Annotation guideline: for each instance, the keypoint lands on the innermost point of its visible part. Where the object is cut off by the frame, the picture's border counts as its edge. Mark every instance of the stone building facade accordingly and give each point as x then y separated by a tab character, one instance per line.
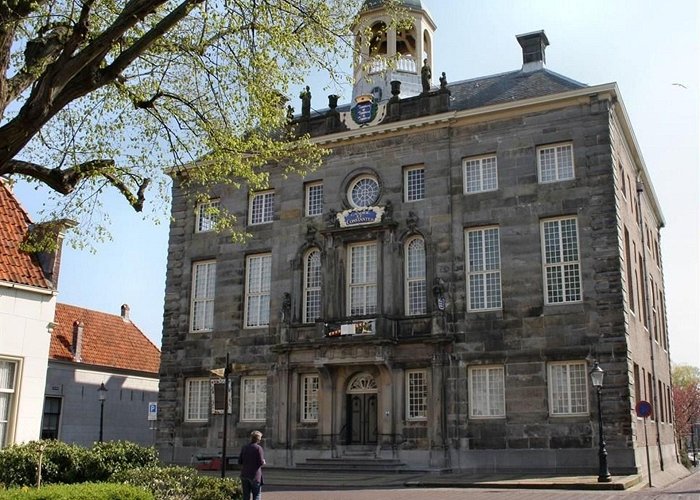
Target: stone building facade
435	295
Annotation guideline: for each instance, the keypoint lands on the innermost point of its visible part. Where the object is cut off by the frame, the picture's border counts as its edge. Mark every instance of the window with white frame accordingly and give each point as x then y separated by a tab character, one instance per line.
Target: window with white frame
555	162
309	398
203	286
314	199
196	399
483	268
416	301
562	268
257	296
568	389
487	392
362	282
416	395
253	399
262	207
414	183
480	174
207	215
8	384
312	286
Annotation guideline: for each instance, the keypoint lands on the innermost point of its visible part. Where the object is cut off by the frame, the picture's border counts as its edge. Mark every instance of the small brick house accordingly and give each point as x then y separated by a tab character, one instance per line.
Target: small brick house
90	348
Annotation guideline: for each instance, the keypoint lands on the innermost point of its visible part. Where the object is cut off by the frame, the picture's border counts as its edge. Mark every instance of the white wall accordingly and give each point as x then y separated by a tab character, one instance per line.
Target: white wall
125	407
25	316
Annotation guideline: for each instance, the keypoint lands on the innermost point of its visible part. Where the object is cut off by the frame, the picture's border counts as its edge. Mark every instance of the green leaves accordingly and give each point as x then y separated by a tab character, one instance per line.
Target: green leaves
207	95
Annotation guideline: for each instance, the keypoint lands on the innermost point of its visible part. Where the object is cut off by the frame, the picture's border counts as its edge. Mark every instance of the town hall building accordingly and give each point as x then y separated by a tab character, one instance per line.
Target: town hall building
435	295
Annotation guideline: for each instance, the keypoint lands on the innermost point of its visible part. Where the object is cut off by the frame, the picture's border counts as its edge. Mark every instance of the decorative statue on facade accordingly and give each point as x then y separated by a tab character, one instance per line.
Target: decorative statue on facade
286	308
443	81
331	219
425	76
439	294
305	102
290	113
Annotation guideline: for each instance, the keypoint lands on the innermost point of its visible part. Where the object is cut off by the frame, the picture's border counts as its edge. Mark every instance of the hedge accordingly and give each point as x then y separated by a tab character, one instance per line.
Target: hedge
181	483
69	463
83	491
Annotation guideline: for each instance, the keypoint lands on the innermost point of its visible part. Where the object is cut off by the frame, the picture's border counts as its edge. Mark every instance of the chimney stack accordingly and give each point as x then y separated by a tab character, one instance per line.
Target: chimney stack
77	340
534	45
125	312
48	236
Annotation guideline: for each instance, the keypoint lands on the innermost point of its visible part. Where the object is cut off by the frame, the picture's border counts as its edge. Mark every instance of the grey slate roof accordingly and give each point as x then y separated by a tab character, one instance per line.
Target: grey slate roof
508	87
497	89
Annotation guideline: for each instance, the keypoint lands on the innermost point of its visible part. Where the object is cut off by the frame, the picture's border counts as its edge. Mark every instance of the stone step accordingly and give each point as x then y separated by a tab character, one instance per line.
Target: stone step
355	464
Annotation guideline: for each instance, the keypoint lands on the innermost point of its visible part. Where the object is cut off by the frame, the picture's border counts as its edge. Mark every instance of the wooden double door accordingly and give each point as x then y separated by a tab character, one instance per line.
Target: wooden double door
361	418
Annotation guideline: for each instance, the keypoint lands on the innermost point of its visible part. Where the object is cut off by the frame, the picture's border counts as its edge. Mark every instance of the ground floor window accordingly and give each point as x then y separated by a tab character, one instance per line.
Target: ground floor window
253	399
8	376
196	399
309	398
52	416
486	392
417	395
568	389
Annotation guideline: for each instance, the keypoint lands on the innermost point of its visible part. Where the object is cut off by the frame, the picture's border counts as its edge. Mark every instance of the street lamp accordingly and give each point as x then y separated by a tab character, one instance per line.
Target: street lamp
102	395
597	381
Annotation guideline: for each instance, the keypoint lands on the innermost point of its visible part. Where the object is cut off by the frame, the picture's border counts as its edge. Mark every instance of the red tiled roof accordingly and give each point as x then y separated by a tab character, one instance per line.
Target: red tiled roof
17	266
108	340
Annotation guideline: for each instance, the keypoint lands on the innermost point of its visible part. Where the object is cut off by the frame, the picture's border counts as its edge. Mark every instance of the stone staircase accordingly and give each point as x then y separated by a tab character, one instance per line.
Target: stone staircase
354	459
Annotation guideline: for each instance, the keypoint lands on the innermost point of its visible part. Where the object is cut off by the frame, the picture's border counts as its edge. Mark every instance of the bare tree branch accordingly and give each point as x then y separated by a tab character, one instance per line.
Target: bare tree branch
62	181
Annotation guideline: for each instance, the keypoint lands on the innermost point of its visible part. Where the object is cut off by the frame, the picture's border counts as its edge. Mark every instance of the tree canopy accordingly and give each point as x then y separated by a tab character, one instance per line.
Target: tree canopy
101	94
686	398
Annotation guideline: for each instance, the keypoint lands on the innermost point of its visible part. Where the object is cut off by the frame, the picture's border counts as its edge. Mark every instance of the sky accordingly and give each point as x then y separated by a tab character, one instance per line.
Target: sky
650	48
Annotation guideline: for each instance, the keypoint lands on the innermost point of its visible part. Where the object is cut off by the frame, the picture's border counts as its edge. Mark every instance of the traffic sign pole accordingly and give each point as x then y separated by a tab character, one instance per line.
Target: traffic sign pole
644	409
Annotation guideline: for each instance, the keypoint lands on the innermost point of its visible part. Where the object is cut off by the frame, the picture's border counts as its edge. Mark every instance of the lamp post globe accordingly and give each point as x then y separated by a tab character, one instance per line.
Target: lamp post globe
596	375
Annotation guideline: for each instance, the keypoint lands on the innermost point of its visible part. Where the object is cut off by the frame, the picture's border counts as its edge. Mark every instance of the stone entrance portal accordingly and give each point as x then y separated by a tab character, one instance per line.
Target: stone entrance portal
361	410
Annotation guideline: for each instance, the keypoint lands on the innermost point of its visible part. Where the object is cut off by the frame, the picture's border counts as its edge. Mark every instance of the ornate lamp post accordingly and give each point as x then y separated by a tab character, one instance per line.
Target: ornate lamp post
102	395
597	381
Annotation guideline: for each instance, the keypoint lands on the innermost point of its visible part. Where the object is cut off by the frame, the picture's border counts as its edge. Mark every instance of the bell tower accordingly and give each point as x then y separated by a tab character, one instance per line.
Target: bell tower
387	53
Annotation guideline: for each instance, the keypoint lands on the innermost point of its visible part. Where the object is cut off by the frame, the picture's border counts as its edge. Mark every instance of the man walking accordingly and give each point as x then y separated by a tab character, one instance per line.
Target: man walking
252	459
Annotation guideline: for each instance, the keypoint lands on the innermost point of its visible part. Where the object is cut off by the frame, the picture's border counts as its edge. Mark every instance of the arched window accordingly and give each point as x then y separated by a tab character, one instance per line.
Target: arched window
378	42
416	301
406	42
312	286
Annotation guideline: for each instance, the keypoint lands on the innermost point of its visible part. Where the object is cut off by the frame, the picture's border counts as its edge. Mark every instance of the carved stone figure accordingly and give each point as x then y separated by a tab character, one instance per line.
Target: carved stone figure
286	308
425	76
305	102
443	81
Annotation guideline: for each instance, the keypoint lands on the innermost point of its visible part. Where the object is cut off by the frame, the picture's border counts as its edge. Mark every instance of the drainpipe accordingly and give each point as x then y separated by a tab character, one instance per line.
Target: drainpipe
654	390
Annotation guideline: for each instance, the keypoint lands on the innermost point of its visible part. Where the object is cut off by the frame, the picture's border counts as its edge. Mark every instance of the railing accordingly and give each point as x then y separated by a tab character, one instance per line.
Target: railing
405	64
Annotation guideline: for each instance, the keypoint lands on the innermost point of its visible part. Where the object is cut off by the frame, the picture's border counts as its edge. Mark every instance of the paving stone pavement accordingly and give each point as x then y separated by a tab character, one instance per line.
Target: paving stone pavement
328	486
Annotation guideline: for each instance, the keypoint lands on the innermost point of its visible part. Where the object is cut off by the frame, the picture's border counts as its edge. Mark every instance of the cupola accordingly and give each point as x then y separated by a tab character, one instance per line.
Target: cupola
379	42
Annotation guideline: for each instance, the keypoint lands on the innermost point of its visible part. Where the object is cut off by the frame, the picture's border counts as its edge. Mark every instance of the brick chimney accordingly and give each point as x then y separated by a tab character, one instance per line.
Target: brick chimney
534	45
125	312
49	237
77	343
